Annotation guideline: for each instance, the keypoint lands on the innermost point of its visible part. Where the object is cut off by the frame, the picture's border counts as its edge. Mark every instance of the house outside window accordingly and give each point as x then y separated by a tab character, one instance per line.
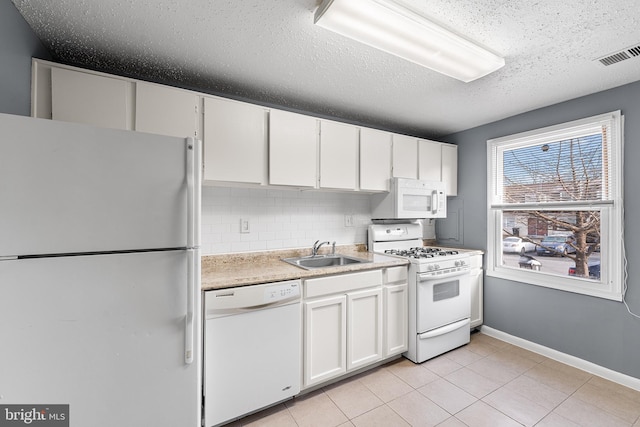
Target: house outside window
559	189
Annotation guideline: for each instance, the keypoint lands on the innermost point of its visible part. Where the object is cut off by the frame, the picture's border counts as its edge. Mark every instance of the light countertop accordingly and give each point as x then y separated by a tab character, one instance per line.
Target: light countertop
241	269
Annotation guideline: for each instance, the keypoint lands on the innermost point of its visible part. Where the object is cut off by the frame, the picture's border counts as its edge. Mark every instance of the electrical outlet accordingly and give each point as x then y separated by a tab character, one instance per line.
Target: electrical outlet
348	220
244	225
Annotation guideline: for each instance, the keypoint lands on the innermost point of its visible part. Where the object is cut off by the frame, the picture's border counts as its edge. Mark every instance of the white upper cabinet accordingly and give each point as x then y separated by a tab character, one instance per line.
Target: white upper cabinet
375	160
405	157
165	110
235	141
91	99
244	143
293	150
338	155
439	162
450	168
429	158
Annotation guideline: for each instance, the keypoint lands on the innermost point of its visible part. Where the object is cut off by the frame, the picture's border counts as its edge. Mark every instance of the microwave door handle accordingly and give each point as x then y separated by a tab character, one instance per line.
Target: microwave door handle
434	202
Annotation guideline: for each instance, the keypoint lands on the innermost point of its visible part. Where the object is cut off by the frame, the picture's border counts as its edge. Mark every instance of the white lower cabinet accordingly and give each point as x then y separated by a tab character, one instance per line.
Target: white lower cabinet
352	321
395	311
364	327
325	339
342	324
476	291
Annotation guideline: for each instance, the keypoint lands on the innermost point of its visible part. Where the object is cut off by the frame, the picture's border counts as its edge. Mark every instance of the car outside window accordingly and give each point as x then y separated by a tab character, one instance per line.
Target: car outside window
559	190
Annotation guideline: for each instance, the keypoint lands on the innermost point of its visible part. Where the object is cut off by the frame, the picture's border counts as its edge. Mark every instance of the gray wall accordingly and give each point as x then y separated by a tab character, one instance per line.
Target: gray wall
593	329
17	45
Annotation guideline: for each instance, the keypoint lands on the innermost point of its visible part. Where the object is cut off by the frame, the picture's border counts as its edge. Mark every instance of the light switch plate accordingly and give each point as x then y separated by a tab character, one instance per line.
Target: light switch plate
244	225
348	220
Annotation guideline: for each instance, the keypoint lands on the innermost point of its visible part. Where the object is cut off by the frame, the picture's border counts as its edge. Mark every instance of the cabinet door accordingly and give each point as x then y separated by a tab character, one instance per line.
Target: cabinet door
338	155
429	160
450	168
293	149
405	157
90	99
476	291
235	141
396	319
325	339
364	327
166	111
375	160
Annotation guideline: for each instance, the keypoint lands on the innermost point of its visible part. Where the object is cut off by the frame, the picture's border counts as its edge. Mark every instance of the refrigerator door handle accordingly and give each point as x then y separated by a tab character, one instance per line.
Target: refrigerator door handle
194	191
193	272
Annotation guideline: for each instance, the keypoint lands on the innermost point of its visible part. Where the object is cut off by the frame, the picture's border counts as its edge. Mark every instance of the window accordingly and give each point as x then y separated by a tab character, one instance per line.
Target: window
559	189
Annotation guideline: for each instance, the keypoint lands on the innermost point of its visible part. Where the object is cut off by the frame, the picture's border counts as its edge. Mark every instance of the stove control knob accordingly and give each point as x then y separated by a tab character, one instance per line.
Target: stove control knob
437	267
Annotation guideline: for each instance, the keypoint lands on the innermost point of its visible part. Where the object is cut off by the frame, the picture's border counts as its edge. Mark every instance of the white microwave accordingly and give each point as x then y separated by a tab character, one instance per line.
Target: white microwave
410	199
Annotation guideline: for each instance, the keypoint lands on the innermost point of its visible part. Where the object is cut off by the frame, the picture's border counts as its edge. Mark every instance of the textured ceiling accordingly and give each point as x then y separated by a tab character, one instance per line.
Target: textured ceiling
270	52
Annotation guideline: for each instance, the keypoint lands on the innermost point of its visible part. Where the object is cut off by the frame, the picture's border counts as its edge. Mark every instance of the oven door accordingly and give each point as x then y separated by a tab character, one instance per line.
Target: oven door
442	300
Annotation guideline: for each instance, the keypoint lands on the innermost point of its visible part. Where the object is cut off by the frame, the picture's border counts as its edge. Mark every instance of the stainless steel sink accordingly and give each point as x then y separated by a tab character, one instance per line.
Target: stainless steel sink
320	261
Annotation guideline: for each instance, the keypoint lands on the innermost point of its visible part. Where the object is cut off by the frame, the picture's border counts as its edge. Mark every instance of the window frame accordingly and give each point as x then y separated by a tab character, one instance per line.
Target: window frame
612	274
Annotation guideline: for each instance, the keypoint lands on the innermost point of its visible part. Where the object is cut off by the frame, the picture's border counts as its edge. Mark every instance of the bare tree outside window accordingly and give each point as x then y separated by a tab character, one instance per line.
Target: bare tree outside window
556	174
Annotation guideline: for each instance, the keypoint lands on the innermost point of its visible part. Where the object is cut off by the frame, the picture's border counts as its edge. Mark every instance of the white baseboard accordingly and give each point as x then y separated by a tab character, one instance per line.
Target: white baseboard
576	362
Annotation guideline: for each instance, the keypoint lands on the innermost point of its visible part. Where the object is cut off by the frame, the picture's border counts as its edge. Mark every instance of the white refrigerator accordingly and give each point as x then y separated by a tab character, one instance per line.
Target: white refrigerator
100	273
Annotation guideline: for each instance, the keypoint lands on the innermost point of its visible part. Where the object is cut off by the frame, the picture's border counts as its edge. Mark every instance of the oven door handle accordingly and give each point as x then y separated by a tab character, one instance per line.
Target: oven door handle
423	277
445	329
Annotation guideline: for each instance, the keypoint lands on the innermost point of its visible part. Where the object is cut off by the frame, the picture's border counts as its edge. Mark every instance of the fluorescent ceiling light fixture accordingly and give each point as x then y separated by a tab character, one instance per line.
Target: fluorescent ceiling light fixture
404	33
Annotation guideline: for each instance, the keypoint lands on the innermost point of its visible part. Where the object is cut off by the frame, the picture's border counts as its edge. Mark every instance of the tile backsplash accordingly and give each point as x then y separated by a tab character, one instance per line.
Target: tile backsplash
280	219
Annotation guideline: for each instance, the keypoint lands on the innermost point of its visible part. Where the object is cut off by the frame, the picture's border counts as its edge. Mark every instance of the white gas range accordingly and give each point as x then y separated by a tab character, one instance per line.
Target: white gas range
439	289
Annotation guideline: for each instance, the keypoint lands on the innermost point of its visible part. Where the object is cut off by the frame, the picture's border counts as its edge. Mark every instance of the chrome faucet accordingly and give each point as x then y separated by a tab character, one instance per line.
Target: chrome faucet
316	247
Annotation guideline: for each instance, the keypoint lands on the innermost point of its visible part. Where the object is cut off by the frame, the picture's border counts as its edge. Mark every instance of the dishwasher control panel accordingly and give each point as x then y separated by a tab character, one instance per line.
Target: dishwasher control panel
281	291
224	302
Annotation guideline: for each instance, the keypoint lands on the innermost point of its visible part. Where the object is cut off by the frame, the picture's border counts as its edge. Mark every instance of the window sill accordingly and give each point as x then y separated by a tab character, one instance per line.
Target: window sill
589	287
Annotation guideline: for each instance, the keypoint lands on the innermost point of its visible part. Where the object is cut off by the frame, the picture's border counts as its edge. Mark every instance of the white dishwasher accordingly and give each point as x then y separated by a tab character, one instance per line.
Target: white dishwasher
252	350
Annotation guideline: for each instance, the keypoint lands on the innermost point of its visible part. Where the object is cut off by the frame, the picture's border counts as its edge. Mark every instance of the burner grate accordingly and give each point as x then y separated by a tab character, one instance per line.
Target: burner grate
421	252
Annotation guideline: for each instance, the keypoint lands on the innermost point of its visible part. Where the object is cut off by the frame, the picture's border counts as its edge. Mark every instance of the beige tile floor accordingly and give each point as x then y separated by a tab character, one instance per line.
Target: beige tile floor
485	383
